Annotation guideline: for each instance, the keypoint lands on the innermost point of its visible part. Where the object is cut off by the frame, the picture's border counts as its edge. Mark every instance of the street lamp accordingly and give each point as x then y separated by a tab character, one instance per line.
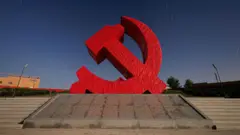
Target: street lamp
217	73
216	77
25	66
220	82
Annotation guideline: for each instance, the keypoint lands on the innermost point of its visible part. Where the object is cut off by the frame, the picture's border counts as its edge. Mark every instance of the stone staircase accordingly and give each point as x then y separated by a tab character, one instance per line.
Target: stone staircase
14	110
225	112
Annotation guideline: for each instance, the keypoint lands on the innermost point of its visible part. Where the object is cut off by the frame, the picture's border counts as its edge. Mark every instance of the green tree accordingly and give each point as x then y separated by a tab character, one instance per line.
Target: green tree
173	82
188	84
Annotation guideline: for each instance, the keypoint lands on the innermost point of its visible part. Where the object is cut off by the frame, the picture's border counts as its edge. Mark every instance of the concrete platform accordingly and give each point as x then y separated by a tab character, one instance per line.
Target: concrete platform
118	111
116	132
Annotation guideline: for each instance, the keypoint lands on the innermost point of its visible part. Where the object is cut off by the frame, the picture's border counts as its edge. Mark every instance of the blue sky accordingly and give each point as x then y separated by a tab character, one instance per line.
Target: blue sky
49	35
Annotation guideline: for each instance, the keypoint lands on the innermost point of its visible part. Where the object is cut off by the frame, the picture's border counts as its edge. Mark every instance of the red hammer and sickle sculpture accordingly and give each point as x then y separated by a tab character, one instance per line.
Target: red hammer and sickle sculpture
107	44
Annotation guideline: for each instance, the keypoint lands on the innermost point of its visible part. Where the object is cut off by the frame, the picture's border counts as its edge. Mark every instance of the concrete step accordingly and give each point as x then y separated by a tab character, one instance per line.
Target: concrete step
23	103
227	126
212	98
18	109
20	103
219	107
227	122
23	98
225	118
218	110
11	120
225	113
9	116
217	103
9	125
20	106
21	112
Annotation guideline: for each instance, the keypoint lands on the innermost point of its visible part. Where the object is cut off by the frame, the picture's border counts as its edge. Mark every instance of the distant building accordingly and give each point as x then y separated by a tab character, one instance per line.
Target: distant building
229	84
12	81
230	89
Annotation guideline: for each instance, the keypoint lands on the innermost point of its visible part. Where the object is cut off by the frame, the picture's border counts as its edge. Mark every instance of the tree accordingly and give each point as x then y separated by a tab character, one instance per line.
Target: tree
173	82
188	84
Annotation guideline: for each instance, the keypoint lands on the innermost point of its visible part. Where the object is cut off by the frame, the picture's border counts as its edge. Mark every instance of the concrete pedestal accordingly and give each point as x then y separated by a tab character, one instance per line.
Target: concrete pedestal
118	111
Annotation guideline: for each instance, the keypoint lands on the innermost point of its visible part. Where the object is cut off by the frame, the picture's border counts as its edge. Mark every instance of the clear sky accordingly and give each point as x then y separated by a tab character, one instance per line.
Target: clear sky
49	35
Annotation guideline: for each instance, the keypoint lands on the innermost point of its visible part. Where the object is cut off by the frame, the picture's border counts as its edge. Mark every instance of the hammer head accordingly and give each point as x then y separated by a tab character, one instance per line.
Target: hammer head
95	44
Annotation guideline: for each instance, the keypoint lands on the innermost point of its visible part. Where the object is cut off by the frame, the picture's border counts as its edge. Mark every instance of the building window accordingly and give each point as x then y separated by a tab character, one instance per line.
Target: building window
9	82
0	82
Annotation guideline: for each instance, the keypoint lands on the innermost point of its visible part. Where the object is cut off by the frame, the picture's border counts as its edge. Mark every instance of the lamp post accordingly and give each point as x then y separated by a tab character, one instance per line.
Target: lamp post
216	77
25	66
217	73
220	82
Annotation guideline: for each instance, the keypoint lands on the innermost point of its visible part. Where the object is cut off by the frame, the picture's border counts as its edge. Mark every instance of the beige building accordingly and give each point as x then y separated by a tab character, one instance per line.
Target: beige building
12	81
